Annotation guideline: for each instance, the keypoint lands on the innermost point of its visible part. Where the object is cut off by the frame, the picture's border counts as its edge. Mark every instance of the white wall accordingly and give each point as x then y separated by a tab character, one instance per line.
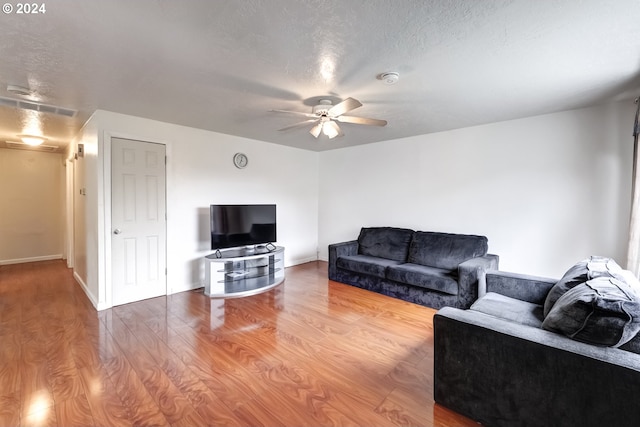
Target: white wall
86	191
200	172
547	190
31	212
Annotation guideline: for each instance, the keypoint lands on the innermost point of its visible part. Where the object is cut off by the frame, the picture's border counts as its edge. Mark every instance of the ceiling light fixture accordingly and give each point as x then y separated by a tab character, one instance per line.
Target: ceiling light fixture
32	139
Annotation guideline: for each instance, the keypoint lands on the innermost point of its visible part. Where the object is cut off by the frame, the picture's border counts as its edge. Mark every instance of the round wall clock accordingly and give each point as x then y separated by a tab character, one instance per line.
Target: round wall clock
240	160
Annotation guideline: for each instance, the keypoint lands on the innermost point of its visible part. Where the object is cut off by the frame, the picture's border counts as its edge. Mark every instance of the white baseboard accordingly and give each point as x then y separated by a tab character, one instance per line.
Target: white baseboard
30	259
187	288
102	306
91	297
302	260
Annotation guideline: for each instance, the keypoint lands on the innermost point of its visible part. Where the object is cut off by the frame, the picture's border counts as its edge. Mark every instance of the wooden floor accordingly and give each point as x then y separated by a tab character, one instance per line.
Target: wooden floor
310	352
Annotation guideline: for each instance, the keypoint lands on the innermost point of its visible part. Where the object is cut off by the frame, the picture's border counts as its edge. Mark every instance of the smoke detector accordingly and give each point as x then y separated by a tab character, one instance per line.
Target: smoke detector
389	78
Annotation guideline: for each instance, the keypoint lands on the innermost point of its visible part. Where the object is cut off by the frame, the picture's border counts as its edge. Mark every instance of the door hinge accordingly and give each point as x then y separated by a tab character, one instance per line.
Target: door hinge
165	271
165	160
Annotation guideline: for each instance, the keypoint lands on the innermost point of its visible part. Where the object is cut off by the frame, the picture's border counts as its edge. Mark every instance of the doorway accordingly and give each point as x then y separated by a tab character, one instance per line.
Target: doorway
138	220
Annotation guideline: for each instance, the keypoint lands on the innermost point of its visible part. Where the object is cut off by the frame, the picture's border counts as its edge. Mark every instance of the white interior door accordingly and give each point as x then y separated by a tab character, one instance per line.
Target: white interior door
138	220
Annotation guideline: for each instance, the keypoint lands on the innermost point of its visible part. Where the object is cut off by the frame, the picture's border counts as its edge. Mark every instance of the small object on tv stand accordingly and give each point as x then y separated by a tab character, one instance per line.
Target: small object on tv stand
269	247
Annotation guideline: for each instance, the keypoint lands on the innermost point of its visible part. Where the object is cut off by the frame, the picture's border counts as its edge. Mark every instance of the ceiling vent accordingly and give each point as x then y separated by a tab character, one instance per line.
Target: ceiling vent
37	106
22	146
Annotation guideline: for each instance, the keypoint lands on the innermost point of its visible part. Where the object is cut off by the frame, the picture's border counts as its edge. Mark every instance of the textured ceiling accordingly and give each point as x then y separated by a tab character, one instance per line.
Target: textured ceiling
222	65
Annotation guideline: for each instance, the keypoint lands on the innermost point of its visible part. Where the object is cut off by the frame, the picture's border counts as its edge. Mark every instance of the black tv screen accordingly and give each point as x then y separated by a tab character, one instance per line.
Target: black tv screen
242	225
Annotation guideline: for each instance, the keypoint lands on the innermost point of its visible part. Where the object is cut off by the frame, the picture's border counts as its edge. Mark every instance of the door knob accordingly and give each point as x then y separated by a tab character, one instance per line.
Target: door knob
117	231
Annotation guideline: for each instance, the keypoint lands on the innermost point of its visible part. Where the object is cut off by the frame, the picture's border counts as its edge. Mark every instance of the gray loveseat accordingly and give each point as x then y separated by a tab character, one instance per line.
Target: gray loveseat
497	364
427	268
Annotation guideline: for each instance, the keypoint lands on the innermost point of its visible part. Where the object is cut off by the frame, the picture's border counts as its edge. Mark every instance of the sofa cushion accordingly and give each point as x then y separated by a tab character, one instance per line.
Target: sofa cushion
385	242
515	310
365	264
444	250
423	276
587	269
602	311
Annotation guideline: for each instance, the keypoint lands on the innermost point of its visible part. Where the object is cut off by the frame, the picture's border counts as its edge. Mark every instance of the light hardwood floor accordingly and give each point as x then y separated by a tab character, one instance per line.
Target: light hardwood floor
310	352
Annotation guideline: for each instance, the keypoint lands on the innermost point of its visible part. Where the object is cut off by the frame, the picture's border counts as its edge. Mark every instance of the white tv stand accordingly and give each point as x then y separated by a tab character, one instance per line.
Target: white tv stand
240	272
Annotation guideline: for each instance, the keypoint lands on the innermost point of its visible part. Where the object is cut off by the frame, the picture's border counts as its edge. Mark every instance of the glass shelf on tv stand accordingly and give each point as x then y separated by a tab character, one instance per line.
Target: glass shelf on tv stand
239	272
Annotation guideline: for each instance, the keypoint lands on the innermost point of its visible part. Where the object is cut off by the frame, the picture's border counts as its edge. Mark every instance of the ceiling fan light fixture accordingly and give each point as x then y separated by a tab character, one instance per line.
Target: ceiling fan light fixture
33	140
329	130
315	131
325	116
322	107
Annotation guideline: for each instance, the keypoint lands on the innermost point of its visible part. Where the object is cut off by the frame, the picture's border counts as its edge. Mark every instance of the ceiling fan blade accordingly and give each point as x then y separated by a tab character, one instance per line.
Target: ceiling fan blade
331	129
297	113
300	124
315	131
343	107
361	120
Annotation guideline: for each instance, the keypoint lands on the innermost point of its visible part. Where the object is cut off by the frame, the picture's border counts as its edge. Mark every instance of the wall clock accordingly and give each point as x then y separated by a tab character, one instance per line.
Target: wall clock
240	160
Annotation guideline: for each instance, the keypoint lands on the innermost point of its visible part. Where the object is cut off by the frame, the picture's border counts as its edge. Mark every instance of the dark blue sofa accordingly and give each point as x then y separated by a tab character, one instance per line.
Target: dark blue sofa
426	268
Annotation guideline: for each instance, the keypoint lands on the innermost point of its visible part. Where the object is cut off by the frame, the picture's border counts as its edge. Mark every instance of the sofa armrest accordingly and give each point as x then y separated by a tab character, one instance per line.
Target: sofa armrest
510	329
337	250
501	373
470	274
524	287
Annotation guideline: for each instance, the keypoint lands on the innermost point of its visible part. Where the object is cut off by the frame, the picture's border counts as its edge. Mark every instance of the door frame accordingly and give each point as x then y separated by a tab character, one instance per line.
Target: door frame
70	192
106	291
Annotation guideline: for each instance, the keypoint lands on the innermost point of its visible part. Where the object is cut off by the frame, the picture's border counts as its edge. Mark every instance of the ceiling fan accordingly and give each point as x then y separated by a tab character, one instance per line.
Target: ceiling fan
325	115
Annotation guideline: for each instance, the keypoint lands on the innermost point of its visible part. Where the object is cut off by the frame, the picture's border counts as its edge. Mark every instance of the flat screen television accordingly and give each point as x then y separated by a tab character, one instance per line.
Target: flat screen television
242	225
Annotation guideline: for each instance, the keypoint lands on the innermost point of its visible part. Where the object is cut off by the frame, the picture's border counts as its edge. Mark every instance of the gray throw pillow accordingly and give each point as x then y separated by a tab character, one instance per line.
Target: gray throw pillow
603	311
590	268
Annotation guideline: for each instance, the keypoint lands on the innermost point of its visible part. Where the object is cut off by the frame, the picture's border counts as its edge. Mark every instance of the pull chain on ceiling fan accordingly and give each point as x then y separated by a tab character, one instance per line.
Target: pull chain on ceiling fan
325	115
